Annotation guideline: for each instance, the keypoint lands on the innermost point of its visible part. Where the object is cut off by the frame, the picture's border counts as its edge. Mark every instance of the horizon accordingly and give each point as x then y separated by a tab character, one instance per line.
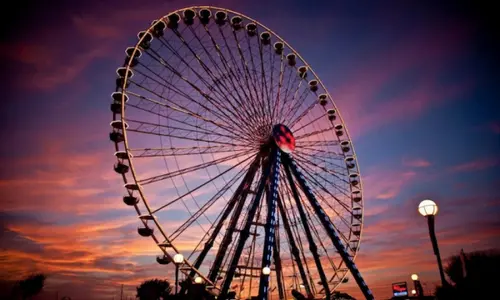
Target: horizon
415	84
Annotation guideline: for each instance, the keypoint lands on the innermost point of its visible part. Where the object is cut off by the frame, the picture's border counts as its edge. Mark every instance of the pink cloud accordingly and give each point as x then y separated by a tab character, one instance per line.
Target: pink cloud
416	162
476	165
386	184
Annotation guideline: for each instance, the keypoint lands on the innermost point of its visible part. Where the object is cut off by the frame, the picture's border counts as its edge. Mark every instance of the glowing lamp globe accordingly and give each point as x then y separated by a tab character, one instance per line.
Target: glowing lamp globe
198	280
266	271
414	277
178	258
428	208
413	292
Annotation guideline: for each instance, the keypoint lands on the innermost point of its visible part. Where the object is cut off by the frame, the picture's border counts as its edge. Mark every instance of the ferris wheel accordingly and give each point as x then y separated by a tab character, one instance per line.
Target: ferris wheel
234	155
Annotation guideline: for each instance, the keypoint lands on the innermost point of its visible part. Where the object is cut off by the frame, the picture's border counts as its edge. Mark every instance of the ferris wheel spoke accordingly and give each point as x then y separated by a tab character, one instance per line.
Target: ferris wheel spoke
303	114
216	103
303	144
322	187
206	205
276	107
310	173
220	92
185	111
222	118
325	154
316	132
312	159
293	123
299	101
313	167
252	107
180	151
199	186
230	75
219	113
310	215
237	201
203	165
254	79
285	97
253	97
263	79
169	130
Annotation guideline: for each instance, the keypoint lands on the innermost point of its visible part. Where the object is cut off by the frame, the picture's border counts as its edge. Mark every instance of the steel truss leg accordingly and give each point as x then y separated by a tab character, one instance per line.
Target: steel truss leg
295	250
245	232
279	273
310	239
239	200
270	226
327	224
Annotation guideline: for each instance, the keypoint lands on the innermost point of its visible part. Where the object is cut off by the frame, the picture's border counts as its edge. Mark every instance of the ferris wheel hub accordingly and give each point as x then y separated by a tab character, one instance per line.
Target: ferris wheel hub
283	137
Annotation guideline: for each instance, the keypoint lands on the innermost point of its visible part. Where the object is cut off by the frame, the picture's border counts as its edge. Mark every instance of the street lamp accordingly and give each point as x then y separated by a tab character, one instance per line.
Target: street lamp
416	285
413	292
429	209
178	260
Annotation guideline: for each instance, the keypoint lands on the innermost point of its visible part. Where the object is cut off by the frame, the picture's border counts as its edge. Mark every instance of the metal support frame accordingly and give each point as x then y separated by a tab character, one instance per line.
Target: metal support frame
295	249
269	183
239	199
245	232
327	224
272	194
279	273
312	245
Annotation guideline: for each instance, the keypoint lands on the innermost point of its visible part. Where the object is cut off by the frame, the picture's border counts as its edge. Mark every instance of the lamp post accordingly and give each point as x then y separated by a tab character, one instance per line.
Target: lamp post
417	286
178	260
429	209
414	277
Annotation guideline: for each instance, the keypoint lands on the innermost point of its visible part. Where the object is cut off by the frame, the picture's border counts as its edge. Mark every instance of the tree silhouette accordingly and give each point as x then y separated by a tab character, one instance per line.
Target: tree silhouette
482	275
31	285
154	289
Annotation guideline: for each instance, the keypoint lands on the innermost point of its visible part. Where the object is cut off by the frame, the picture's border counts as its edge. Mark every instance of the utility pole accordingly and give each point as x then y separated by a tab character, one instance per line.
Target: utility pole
121	293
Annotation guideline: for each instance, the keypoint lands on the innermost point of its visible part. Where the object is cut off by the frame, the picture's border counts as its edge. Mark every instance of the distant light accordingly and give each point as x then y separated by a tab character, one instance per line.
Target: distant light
413	292
178	258
266	270
198	280
302	286
428	208
414	277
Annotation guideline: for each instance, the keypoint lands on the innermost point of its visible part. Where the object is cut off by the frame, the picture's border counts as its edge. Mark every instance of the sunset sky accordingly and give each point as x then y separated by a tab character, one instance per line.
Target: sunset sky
416	84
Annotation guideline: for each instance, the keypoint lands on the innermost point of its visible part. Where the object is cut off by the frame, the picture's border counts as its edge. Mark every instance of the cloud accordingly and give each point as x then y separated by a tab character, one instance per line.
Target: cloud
476	165
416	162
386	184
